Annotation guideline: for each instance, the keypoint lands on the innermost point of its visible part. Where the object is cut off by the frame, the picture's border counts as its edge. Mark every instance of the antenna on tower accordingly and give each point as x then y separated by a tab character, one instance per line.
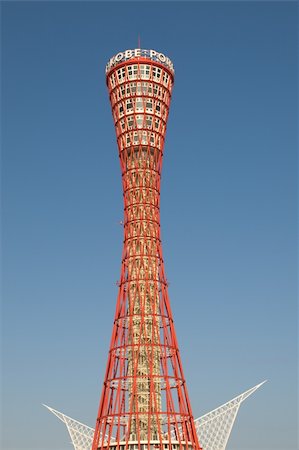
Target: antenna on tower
139	41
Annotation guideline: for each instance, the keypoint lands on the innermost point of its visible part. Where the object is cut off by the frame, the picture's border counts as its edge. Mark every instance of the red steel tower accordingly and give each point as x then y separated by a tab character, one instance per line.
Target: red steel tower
144	403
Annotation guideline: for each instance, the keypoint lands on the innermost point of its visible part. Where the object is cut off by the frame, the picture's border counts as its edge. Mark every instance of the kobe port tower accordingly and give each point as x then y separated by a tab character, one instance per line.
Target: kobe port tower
144	403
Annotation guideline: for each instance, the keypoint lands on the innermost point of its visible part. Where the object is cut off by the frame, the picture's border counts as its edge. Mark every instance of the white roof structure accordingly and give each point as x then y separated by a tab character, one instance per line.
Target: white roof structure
213	429
81	435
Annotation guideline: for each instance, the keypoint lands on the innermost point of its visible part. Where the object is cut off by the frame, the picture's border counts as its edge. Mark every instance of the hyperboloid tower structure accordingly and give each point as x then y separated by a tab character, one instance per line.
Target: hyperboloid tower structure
144	403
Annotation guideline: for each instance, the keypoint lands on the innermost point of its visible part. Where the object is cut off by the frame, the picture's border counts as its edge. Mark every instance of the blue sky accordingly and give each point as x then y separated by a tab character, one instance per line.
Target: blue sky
228	208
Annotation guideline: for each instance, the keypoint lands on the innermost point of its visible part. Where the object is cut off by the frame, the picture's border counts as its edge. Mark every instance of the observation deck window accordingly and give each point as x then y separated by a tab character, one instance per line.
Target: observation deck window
159	92
139	104
165	78
132	72
121	110
149	121
158	108
157	123
139	121
152	138
118	95
133	88
128	90
144	71
149	105
129	105
121	73
122	90
139	89
144	88
122	124
156	73
112	80
130	122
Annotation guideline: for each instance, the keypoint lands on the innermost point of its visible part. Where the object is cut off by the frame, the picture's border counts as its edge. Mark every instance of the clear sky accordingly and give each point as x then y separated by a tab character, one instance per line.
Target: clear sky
228	208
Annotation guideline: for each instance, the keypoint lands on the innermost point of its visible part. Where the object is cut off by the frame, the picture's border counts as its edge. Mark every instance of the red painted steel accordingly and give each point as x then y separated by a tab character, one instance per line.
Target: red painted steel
144	403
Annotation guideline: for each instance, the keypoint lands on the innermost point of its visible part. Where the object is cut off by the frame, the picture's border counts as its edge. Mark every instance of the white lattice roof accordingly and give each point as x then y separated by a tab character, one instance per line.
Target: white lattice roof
213	429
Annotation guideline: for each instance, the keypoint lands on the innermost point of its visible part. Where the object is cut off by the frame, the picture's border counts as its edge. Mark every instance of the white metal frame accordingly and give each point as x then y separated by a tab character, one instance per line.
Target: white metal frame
214	428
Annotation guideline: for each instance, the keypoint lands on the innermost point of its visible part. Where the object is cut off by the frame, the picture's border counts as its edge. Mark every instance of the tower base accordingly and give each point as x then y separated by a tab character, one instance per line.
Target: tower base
149	445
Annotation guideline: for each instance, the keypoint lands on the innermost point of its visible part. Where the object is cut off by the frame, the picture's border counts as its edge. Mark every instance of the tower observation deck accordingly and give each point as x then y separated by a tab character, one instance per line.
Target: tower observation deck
144	403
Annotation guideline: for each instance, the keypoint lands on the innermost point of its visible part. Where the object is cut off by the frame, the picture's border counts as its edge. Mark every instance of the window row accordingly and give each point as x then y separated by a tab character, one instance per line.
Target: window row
133	122
140	71
140	138
140	104
140	88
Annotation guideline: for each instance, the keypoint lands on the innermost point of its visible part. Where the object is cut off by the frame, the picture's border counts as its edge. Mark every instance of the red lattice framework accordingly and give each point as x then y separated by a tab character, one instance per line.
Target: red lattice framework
144	403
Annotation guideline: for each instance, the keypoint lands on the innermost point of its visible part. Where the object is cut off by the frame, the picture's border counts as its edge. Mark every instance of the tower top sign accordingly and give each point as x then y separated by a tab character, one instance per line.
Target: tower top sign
140	53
